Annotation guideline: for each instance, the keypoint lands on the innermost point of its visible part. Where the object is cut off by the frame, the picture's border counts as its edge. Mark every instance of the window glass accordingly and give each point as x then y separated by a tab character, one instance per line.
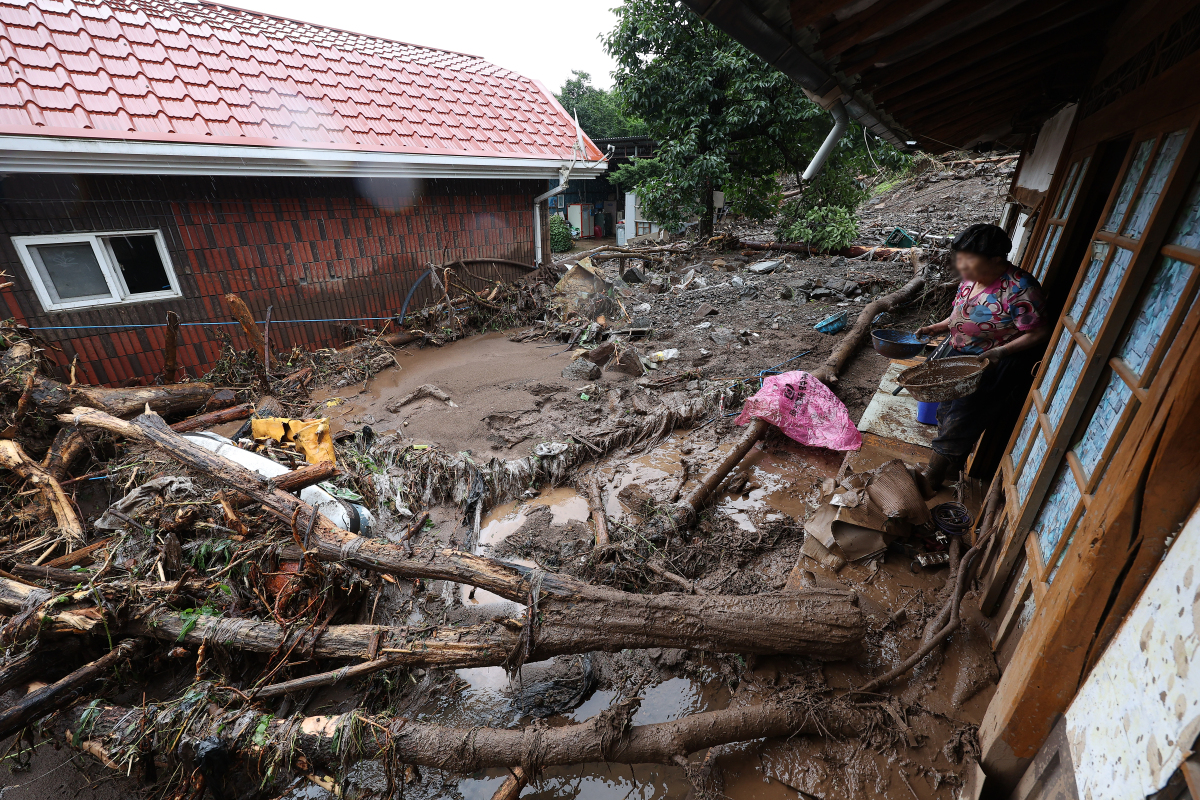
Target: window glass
1103	424
1136	167
1186	232
1060	352
140	264
1066	211
1056	511
1099	253
1026	432
1047	254
71	271
1066	385
1166	290
1152	188
1066	191
1030	470
1063	553
1100	306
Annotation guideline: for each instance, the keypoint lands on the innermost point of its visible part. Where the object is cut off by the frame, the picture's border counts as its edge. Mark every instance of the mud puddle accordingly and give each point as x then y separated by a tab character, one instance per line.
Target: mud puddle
499	389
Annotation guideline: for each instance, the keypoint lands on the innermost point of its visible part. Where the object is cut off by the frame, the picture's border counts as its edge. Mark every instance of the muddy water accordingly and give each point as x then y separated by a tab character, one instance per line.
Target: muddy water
782	478
484	375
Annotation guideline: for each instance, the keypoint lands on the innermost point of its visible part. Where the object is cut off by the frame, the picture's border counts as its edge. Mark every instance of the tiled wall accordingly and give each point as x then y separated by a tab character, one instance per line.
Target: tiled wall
313	248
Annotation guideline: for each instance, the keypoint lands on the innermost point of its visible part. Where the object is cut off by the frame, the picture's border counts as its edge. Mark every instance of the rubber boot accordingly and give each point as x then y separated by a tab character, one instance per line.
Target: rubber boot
932	476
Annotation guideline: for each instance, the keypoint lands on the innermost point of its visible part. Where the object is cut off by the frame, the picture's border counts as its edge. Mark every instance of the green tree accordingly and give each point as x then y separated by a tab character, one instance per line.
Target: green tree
599	112
723	118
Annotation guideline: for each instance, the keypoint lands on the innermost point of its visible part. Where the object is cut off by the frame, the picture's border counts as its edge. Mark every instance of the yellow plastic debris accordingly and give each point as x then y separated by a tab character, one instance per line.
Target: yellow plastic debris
310	436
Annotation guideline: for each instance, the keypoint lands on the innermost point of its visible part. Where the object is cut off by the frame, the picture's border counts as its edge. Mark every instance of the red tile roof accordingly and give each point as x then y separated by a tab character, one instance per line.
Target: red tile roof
174	71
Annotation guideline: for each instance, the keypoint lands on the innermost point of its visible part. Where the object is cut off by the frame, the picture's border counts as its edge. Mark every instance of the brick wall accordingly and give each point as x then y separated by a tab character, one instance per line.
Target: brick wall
313	248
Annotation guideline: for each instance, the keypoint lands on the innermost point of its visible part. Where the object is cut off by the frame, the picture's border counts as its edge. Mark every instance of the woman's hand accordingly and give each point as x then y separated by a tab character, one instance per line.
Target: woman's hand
994	355
930	330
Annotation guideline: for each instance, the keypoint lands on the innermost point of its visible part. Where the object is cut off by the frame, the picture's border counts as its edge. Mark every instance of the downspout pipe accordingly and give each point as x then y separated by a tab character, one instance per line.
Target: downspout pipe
537	215
841	121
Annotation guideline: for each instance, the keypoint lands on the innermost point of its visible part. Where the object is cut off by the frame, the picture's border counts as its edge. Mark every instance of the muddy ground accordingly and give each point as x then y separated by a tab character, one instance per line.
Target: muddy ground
733	319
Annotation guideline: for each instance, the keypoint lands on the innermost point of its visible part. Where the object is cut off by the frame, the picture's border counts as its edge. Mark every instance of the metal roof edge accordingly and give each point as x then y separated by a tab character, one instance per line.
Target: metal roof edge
52	154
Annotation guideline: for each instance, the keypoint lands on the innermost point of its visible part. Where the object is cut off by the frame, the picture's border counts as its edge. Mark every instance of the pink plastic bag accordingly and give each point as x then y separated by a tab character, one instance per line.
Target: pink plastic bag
805	410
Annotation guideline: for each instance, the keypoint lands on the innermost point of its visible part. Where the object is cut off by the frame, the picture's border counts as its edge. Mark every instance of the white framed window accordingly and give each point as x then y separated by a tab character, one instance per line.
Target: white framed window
80	270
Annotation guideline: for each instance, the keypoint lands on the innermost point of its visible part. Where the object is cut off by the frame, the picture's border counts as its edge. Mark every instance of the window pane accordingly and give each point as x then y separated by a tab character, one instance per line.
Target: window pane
1066	191
1136	167
70	271
1060	352
1030	470
1066	211
141	266
1063	553
1186	232
1166	290
1023	437
1099	253
1098	310
1056	511
1062	392
1048	248
1152	188
1103	425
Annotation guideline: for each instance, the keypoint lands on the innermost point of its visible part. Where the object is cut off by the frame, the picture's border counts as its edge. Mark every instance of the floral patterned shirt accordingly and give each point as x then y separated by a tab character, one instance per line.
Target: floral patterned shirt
981	320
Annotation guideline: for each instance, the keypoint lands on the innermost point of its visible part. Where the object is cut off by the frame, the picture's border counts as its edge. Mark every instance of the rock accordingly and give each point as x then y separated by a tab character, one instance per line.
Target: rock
643	308
805	284
628	362
581	370
633	275
786	293
736	280
821	292
600	355
658	284
801	298
718	263
703	326
642	323
763	267
706	310
722	337
700	282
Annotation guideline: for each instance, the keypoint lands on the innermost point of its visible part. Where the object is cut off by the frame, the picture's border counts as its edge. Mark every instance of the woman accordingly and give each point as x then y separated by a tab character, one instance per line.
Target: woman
997	314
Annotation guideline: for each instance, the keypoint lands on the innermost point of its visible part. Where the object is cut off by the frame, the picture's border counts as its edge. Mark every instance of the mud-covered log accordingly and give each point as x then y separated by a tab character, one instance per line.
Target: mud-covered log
334	740
68	445
63	692
52	397
826	625
853	340
241	411
13	457
595	500
685	511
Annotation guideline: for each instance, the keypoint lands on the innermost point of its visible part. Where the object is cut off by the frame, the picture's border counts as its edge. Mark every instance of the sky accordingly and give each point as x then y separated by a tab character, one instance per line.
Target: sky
538	38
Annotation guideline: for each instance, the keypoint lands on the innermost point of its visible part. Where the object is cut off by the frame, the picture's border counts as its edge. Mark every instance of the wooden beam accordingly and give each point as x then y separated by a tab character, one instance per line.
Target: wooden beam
935	62
809	12
849	32
935	27
1002	102
1024	71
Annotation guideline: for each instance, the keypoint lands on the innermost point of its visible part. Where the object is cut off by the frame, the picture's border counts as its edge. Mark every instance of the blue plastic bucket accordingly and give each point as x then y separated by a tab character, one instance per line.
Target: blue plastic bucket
927	412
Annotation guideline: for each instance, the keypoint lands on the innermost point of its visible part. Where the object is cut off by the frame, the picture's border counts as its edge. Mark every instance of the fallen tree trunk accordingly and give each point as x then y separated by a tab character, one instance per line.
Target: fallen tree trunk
61	693
53	397
685	511
853	251
824	625
230	414
827	373
330	741
14	458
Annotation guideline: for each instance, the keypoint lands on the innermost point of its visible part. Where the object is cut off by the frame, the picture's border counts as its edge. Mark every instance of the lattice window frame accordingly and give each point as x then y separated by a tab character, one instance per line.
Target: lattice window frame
1100	355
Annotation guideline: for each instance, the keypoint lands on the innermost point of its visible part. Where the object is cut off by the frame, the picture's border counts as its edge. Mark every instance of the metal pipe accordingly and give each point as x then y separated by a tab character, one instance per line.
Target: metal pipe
537	217
841	120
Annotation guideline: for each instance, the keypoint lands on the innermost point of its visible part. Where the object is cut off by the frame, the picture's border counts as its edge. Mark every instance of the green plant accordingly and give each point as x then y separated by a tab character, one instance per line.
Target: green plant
560	234
824	228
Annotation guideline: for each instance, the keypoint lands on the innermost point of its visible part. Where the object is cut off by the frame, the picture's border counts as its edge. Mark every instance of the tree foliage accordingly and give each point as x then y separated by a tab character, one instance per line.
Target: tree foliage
723	118
599	112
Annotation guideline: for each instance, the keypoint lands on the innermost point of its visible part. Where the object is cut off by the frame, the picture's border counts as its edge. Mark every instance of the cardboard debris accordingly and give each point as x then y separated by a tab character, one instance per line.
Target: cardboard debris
311	437
584	291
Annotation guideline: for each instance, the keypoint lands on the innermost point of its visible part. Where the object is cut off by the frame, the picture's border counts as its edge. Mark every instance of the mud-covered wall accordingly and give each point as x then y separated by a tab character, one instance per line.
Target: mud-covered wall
314	249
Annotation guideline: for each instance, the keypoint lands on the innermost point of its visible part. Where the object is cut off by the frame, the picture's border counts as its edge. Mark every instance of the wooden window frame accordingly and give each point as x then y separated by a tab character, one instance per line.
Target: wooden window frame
1101	360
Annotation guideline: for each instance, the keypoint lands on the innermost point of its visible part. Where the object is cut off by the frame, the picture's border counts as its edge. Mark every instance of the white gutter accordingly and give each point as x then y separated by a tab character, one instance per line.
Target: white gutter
841	120
53	154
